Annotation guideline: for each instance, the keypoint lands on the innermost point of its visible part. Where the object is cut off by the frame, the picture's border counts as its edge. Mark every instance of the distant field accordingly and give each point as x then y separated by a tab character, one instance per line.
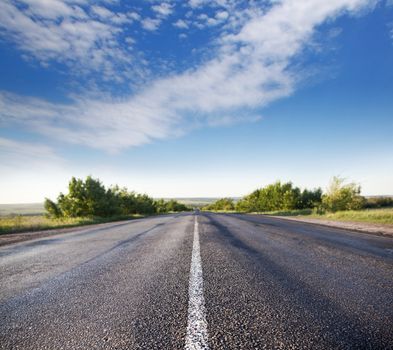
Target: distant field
38	208
22	209
200	202
195	202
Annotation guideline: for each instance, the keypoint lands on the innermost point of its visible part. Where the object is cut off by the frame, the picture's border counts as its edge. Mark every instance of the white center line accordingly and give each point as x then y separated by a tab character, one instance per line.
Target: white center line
196	337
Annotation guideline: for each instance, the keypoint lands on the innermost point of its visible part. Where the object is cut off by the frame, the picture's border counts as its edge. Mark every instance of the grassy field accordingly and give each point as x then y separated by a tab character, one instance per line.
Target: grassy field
26	223
374	216
22	209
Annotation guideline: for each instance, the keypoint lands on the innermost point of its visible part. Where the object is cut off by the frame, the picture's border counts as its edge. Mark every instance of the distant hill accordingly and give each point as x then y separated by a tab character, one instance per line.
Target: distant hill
198	201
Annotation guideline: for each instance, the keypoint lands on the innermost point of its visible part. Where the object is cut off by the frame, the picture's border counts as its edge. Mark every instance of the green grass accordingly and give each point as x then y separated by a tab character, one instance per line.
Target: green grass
19	223
296	212
374	216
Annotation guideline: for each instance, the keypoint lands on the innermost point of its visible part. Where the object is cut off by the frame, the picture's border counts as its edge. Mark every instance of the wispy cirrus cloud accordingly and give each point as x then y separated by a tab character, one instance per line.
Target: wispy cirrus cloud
250	67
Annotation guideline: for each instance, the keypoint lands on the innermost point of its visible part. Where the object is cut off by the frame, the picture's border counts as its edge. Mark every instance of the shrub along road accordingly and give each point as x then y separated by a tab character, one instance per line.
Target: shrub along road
196	282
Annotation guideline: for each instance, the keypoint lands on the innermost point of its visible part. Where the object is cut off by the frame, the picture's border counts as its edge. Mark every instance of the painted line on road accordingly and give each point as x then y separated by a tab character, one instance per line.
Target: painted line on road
196	337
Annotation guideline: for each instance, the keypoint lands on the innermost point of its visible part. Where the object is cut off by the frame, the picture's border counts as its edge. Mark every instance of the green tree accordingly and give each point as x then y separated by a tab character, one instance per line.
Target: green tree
311	198
160	206
90	198
341	196
52	209
279	196
225	204
249	203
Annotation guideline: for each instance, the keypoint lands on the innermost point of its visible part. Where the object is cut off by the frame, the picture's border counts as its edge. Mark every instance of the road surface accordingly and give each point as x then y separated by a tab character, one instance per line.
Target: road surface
206	281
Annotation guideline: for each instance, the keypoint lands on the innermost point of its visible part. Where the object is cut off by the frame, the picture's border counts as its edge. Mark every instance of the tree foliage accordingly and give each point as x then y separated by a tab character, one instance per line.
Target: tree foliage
226	204
279	196
90	198
341	196
379	202
172	205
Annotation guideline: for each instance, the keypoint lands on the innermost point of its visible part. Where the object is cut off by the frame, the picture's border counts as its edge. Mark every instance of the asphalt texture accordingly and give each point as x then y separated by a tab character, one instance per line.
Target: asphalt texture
267	284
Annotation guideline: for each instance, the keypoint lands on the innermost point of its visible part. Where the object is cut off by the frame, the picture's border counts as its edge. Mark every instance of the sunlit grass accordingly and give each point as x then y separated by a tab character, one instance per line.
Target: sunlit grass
19	223
375	216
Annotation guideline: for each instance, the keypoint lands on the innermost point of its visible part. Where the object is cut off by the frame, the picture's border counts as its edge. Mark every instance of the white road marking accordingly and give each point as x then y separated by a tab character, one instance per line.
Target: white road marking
196	337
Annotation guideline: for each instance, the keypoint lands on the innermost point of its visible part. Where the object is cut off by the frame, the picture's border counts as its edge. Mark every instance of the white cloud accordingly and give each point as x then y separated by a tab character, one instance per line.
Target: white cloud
129	40
222	15
52	9
205	21
108	125
164	9
64	32
102	11
223	4
196	3
249	69
151	24
133	15
181	24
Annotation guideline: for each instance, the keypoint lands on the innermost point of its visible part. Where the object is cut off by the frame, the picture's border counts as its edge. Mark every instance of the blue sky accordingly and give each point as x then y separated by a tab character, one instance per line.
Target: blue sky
194	98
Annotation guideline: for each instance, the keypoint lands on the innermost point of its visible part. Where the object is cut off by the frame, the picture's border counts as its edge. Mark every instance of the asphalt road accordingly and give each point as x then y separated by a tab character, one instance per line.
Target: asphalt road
237	281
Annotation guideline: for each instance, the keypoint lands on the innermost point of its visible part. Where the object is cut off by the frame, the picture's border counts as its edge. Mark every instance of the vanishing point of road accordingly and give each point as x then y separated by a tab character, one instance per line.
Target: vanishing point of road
198	281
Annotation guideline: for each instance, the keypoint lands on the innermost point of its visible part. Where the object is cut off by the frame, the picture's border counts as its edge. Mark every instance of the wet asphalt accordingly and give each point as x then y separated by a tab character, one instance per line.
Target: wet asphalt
268	284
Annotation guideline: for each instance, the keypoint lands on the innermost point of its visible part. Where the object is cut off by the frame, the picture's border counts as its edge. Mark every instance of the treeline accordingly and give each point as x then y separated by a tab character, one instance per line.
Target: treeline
279	196
90	198
285	197
225	204
378	202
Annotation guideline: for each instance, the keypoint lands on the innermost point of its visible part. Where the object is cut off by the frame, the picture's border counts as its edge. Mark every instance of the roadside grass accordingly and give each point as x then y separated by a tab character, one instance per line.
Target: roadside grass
296	212
24	223
373	216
